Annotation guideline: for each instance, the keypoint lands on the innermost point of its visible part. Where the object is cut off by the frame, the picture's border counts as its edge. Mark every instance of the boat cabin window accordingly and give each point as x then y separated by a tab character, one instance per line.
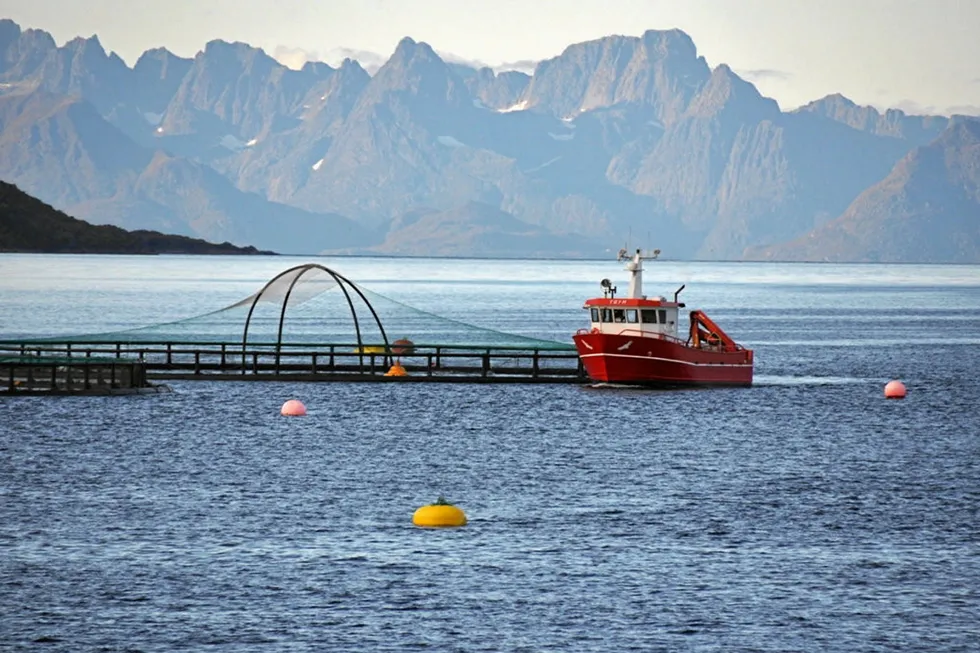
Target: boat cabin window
619	315
595	314
607	315
649	315
663	316
631	315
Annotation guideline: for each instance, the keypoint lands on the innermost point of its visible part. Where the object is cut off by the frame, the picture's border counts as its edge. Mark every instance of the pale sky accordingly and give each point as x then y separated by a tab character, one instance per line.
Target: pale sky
917	55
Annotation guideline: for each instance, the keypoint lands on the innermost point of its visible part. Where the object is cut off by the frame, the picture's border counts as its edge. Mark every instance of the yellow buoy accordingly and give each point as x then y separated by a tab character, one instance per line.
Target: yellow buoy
440	514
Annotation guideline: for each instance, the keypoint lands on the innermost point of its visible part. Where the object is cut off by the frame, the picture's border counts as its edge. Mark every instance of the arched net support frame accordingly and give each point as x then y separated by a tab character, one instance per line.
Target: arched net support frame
290	279
313	307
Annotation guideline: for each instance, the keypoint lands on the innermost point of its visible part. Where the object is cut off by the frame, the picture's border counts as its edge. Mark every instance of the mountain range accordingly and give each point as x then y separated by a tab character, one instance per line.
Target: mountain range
621	138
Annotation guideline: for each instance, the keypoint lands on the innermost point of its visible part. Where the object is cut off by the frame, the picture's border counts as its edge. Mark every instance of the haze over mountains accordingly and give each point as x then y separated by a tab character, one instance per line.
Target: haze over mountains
617	136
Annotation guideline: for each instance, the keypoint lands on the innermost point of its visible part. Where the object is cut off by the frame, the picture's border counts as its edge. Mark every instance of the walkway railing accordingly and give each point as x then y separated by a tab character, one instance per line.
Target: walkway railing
322	361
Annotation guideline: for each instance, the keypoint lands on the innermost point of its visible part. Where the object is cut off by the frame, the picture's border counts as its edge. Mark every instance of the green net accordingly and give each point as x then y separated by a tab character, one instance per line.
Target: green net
319	309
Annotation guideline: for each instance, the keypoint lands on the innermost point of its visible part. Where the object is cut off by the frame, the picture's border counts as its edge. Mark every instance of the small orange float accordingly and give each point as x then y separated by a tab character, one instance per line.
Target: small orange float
293	408
895	390
396	370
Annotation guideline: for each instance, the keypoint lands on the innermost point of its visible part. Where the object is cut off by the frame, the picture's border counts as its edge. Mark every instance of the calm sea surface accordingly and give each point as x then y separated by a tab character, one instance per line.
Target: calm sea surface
806	513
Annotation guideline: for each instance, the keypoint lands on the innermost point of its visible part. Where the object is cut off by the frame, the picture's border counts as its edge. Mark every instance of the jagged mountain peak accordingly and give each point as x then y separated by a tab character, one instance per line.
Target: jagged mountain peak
347	81
893	122
236	51
352	67
82	43
490	89
91	50
412	52
415	68
670	42
727	91
160	55
962	131
660	43
660	69
157	76
39	34
834	99
220	45
9	31
837	105
82	67
317	69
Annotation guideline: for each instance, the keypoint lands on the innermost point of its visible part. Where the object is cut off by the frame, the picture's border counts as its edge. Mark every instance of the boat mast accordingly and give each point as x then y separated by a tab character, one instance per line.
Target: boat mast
635	266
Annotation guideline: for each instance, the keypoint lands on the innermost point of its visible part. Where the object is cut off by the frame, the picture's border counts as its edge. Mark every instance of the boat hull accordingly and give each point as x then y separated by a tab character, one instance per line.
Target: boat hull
659	362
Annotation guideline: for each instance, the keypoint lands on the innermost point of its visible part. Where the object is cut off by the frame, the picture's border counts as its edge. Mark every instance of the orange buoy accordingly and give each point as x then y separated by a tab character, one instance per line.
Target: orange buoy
293	408
396	370
895	390
403	347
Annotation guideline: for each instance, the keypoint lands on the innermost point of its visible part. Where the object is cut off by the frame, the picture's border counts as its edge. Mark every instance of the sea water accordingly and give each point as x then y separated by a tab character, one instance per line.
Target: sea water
805	513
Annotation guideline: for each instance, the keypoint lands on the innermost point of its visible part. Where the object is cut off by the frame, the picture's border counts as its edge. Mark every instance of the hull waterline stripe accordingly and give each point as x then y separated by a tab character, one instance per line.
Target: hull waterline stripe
667	360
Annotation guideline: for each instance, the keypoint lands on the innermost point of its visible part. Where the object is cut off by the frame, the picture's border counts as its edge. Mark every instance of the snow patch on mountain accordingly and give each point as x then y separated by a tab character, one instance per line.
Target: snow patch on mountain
449	141
231	143
543	165
520	106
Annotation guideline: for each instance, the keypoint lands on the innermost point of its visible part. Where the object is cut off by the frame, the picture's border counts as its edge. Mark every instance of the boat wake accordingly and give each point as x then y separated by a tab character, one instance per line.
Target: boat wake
638	387
761	379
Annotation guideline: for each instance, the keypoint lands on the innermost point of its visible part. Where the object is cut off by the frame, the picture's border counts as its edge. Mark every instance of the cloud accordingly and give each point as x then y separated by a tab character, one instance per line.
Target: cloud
964	110
293	57
449	57
763	74
525	66
913	108
370	61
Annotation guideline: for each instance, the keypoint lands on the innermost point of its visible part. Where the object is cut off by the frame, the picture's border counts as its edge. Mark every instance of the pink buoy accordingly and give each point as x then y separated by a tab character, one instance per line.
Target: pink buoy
293	408
895	390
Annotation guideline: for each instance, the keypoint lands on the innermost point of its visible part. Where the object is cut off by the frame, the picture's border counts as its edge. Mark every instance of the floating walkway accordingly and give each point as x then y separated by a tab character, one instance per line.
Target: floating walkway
120	363
65	375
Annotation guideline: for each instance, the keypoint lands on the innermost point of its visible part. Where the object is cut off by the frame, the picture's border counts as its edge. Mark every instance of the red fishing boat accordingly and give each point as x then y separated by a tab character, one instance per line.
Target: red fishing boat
635	340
